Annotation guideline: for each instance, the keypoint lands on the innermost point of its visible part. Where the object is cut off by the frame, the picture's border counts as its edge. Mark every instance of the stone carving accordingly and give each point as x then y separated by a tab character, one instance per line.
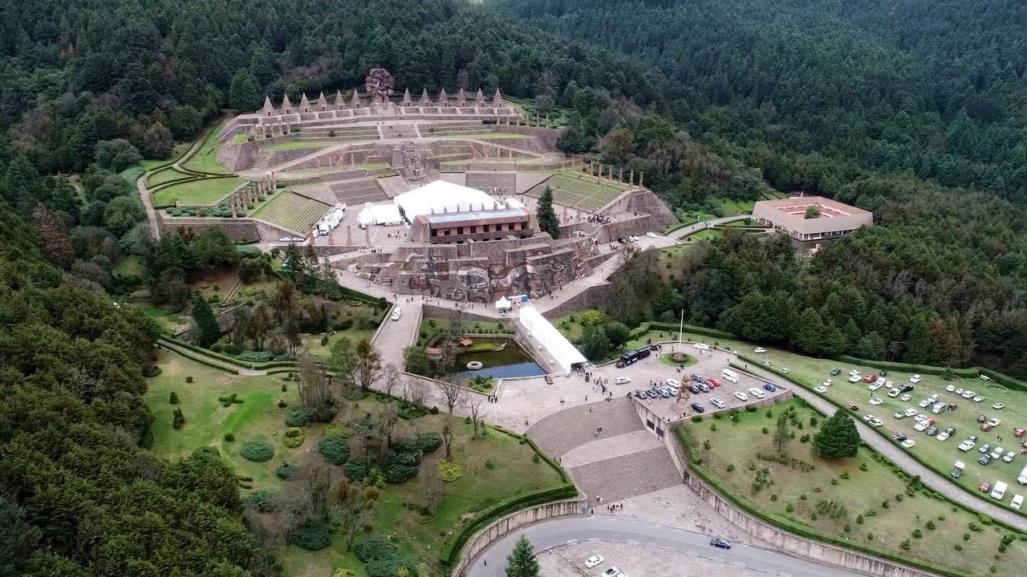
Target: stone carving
379	84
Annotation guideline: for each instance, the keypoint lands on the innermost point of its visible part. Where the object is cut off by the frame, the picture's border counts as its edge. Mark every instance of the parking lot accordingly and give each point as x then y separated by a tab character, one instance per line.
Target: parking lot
665	390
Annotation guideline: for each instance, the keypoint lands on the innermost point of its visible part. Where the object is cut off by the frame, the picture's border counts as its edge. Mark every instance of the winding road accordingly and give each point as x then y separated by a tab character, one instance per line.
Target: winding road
551	534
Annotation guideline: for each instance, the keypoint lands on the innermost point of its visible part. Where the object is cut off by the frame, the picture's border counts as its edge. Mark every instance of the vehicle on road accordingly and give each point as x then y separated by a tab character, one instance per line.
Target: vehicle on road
720	543
594	561
622	380
396	314
698	408
759	350
633	357
717	403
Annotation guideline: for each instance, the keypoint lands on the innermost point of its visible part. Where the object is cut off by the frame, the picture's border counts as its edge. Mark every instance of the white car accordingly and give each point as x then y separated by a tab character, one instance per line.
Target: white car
876	401
942	436
396	313
867	417
875	422
998	406
951	388
905	397
967	394
820	389
1008	457
908	443
717	403
651	234
854	379
756	393
915	379
622	380
910	412
966	445
741	396
984	377
759	350
611	572
875	386
594	561
994	422
899	415
920	418
786	370
959	392
923	404
673	383
921	426
827	382
853	372
1017	501
997	452
894	393
978	399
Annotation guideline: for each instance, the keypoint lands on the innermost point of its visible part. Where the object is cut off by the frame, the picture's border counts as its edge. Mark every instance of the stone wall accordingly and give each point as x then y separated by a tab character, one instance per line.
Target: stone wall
237	229
593	297
505	525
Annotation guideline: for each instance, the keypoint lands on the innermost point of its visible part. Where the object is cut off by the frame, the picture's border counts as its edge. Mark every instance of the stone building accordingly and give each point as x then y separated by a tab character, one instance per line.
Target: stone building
811	218
473	226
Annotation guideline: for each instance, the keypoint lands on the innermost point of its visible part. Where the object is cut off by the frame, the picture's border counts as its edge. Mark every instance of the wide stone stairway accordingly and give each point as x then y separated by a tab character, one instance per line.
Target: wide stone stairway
624	460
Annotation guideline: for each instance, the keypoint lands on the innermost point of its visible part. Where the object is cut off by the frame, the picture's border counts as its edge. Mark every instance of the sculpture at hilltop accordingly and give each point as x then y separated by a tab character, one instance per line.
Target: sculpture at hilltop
379	84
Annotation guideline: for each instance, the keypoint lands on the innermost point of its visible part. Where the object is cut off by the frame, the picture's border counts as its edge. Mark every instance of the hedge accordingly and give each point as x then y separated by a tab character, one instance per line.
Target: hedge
189	354
666	326
257	451
794	528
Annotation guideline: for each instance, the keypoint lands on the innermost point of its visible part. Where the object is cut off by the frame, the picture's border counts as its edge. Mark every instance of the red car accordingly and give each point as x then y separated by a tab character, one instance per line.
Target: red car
713	382
1019	432
870	378
984	488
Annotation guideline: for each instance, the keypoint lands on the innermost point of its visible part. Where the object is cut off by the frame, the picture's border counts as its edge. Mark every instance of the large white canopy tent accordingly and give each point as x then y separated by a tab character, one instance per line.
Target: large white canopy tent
563	353
440	197
379	214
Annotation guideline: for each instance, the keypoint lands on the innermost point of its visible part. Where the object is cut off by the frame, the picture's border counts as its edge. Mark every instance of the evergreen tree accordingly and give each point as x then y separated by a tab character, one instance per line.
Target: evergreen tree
244	92
547	221
521	561
206	322
838	437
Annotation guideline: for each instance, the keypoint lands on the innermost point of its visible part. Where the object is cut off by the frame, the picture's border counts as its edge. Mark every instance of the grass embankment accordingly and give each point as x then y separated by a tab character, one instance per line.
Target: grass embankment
497	468
865	501
201	192
205	159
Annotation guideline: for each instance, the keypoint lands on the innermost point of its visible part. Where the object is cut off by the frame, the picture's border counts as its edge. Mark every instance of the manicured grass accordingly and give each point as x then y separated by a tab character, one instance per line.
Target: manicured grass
132	174
169	320
205	191
165	175
732	207
129	266
705	234
302	144
939	455
796	493
206	158
578	190
291	212
207	421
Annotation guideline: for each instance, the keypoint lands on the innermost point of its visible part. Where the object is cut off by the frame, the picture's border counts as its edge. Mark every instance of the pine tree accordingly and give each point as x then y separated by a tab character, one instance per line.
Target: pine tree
838	437
244	92
206	322
547	221
521	561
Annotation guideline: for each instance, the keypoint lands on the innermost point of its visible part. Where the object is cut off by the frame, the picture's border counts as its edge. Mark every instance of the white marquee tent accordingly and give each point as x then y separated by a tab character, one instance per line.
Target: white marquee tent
542	331
379	214
439	196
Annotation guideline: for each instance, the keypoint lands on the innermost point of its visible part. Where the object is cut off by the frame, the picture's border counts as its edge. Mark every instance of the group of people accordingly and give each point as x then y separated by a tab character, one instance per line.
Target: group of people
600	218
493	399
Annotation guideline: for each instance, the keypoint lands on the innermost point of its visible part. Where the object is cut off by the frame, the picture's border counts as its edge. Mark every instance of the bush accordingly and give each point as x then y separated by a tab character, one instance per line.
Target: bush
450	471
286	471
429	442
312	536
293	438
489	464
173	398
384	559
334	449
917	534
189	379
229	438
355	470
178	419
150	371
297	418
397	473
257	451
536	459
262	501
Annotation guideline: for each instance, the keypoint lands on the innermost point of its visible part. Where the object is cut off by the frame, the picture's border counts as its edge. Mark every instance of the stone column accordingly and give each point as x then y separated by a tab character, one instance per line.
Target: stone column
367	234
620	175
547	121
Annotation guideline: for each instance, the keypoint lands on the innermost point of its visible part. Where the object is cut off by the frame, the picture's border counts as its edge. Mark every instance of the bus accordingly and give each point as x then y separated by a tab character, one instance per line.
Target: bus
729	375
633	357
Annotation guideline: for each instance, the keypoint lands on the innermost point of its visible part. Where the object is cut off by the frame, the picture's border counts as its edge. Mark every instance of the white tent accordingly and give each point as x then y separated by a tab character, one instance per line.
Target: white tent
564	354
439	197
379	214
504	304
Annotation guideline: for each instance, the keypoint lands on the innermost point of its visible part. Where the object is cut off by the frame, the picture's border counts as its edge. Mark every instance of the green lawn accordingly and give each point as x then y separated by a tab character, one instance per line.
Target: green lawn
705	234
495	468
165	175
805	489
170	320
292	212
939	455
129	266
206	191
732	207
482	135
206	158
302	144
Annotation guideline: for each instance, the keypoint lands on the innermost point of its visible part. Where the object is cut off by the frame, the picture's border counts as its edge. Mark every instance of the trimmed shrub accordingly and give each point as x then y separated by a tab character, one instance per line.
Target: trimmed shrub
312	536
355	470
297	418
257	451
450	471
151	371
397	473
293	438
429	442
286	471
178	419
384	559
262	501
229	438
173	398
334	449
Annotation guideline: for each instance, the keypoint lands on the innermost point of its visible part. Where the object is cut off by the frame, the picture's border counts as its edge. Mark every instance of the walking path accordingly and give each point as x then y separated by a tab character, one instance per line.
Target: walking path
694	228
929	477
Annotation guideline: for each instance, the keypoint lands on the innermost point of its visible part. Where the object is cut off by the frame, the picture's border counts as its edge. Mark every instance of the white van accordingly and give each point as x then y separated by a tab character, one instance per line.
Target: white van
1022	479
999	491
1016	502
701	346
730	375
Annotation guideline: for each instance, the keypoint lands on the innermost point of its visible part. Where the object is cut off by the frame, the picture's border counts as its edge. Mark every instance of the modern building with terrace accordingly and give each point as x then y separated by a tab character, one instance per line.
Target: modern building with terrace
811	218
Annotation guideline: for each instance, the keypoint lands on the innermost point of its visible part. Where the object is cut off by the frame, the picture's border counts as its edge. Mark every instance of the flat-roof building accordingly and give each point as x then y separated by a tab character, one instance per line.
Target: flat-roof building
810	218
476	225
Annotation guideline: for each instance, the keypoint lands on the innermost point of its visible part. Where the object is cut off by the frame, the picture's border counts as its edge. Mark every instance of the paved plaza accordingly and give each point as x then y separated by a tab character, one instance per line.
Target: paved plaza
640	560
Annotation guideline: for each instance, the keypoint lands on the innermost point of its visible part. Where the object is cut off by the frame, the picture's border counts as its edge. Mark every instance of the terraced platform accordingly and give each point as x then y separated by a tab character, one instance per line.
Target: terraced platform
292	212
582	193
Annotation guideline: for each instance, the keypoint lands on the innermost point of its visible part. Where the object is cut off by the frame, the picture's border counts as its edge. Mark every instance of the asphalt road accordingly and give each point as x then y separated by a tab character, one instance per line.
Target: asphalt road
550	534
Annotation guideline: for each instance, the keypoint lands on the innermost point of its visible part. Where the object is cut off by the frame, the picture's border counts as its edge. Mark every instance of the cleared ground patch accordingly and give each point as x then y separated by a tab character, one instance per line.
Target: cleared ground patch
578	190
292	212
205	191
861	500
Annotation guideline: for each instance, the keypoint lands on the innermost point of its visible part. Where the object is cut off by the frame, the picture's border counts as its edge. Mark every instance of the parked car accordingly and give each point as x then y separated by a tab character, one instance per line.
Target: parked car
893	393
820	389
985	459
717	403
673	382
985	448
756	393
622	380
984	487
770	387
870	378
698	408
720	543
915	379
713	382
998	406
905	398
1008	457
741	396
908	444
396	314
611	572
1017	502
876	401
594	561
966	445
997	452
759	350
835	372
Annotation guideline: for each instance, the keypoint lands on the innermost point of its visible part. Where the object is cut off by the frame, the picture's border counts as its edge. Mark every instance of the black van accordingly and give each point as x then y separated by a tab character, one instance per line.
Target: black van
633	357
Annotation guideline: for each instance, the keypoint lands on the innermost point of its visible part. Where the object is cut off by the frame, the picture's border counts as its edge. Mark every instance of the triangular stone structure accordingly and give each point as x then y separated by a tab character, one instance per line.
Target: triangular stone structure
355	103
340	102
407	101
286	105
269	108
479	99
443	98
497	99
304	103
461	98
425	100
322	102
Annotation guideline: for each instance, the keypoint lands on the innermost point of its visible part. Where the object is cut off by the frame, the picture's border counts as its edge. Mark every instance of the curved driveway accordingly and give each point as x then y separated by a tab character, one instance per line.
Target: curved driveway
550	534
929	477
703	225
